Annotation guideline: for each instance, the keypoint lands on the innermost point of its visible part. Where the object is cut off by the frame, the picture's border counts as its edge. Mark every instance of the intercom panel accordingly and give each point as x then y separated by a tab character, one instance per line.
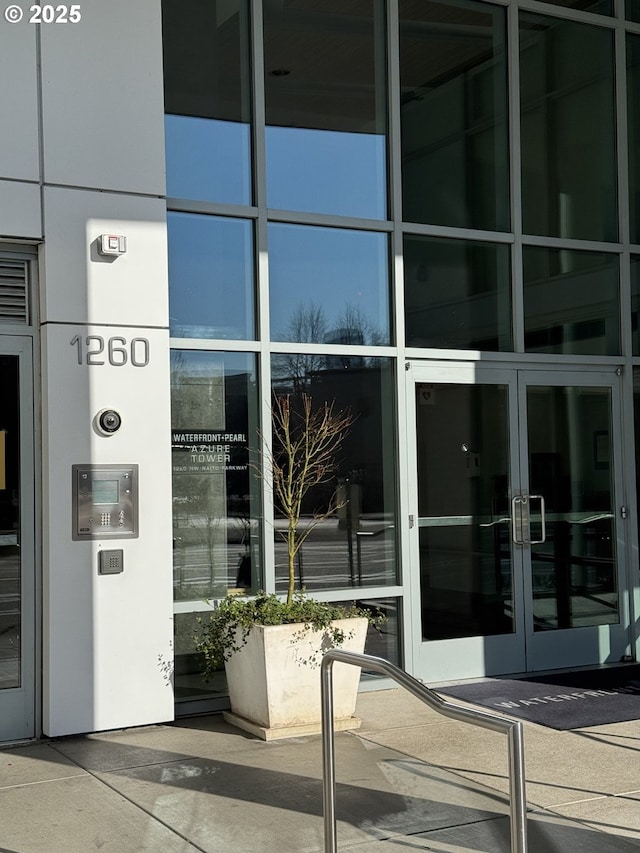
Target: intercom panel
105	502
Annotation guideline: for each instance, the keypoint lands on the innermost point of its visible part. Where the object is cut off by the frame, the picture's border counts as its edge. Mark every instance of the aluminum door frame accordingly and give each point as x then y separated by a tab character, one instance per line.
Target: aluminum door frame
465	657
444	660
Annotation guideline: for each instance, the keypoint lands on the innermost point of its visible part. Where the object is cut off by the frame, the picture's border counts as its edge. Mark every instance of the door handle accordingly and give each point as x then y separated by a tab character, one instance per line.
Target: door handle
517	515
521	519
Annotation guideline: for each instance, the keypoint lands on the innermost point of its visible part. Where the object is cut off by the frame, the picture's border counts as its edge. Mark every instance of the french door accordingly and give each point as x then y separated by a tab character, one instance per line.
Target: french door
17	541
518	531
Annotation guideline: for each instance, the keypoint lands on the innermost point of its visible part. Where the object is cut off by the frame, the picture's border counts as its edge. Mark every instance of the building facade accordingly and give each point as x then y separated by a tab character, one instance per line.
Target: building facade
426	212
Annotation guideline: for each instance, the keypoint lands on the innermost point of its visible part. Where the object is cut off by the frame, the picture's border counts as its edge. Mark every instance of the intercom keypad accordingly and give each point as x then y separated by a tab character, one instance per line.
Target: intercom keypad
105	501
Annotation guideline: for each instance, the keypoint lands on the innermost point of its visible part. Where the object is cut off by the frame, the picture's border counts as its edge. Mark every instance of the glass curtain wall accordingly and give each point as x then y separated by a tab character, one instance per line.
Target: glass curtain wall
357	183
287	159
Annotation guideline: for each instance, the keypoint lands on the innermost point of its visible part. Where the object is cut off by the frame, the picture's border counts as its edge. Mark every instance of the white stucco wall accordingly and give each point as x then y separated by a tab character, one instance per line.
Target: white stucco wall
107	638
80	285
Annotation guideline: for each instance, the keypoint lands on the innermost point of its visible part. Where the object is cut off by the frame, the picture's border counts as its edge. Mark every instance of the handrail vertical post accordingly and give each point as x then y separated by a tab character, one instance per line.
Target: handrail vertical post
488	720
517	789
328	758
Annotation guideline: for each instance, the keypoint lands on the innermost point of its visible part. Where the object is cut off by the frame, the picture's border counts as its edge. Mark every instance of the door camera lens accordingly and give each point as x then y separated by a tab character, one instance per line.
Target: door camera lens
109	421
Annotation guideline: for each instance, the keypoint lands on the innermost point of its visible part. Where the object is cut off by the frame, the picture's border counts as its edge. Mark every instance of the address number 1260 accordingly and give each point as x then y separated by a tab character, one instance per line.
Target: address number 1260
118	351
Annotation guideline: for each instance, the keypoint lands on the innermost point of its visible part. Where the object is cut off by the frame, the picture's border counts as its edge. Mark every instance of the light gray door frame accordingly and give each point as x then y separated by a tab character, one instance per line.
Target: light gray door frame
525	649
18	713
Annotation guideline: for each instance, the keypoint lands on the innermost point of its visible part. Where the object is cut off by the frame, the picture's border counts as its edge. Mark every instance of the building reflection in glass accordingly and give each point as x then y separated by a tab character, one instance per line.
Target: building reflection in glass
356	546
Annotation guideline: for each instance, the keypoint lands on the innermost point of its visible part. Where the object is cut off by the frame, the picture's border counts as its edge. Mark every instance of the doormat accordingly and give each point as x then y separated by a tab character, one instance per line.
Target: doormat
570	700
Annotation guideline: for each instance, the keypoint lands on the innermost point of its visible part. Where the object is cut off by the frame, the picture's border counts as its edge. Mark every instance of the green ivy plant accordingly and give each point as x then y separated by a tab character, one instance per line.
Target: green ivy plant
226	629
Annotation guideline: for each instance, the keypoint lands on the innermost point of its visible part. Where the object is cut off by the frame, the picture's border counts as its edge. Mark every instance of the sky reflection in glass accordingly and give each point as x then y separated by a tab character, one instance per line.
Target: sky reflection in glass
208	159
326	171
328	285
210	277
325	107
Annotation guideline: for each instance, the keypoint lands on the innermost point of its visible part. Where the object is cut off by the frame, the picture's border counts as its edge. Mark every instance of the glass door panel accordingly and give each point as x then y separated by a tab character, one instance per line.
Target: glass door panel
465	552
465	419
10	587
574	582
572	460
17	532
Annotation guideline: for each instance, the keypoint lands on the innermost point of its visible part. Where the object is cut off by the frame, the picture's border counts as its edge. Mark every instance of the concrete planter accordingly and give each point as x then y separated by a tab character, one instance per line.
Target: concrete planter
274	680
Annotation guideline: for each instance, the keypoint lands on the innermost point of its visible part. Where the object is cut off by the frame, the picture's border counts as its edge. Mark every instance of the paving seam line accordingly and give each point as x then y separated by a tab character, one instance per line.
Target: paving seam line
103	781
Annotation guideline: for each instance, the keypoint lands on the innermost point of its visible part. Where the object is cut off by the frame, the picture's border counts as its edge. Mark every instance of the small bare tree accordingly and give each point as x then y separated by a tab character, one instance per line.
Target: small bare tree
303	455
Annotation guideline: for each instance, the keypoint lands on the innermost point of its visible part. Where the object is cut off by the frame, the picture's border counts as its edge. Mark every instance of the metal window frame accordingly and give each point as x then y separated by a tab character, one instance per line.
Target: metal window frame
396	228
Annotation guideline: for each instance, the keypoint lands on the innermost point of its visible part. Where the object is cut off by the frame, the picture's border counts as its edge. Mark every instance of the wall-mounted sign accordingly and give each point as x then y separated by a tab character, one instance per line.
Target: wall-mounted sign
116	351
205	451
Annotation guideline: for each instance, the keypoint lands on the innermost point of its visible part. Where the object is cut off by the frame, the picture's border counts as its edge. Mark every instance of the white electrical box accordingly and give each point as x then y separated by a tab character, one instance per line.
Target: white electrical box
112	244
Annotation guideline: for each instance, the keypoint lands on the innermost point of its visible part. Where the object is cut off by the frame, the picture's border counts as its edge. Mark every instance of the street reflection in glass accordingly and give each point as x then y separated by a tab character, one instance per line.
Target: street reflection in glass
356	546
383	642
215	494
574	581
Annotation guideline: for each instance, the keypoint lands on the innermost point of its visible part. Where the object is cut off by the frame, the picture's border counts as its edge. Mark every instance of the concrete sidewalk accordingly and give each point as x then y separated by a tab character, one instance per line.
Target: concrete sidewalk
407	780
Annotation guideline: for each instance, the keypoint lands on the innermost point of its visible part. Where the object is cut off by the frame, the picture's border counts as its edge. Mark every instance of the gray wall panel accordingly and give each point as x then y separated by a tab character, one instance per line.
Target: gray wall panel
20	210
102	98
18	101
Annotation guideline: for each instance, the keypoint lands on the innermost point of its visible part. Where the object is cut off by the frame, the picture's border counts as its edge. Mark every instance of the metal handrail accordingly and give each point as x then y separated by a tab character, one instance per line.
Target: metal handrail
484	719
